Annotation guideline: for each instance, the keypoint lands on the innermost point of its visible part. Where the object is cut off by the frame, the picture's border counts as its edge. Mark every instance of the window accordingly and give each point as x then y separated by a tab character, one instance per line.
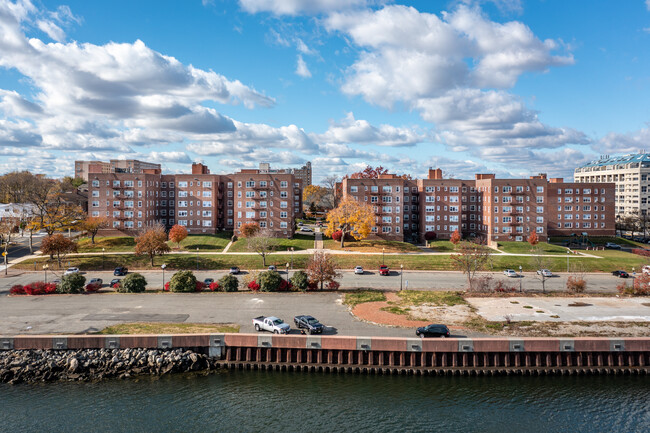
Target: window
283	214
352	189
182	204
250	184
539	209
182	185
283	204
387	188
540	189
283	184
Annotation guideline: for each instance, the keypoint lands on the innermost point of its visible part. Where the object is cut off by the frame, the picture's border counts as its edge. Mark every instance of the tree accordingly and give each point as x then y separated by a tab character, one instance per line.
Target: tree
313	195
471	258
262	243
152	241
249	230
177	233
133	283
183	281
59	245
331	199
351	218
321	268
19	187
455	237
53	212
300	280
229	283
92	225
533	239
374	173
541	262
72	283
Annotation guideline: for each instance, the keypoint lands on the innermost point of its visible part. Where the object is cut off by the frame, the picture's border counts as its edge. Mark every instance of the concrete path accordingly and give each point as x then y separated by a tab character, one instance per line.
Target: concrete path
318	241
225	250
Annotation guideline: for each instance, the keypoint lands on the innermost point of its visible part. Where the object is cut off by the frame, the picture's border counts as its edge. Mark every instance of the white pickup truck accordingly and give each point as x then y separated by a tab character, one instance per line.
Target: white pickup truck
271	324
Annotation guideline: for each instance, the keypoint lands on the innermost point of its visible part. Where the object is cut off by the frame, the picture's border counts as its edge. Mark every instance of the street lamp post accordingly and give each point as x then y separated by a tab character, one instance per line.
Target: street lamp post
163	266
383	250
197	258
521	276
287	273
45	270
291	257
568	252
633	277
4	253
401	272
103	249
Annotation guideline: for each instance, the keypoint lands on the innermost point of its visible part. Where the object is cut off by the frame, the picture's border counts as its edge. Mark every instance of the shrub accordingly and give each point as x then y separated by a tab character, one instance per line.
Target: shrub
117	286
337	235
333	285
576	284
214	286
300	281
17	289
284	286
200	285
92	287
640	286
229	283
166	287
37	288
253	286
313	285
133	283
641	252
72	283
430	236
269	281
183	281
50	288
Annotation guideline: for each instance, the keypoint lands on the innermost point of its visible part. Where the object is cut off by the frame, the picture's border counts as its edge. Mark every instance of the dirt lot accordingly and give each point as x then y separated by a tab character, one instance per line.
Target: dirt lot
522	316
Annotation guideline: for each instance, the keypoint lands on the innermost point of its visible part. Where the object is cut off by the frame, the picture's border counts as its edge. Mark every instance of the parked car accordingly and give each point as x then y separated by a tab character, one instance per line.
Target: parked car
645	269
620	274
433	331
234	270
545	272
71	271
115	281
306	229
612	246
208	281
300	224
97	281
272	268
308	324
510	273
383	270
271	324
358	270
120	271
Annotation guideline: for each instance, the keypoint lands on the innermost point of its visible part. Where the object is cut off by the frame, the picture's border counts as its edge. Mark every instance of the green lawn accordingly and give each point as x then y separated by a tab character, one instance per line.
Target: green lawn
417	298
526	248
372	245
442	246
168	328
603	240
353	299
299	242
612	260
116	244
205	242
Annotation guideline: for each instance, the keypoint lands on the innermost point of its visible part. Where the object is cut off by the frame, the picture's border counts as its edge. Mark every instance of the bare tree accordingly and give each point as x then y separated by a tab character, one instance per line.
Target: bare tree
262	243
542	263
330	199
470	258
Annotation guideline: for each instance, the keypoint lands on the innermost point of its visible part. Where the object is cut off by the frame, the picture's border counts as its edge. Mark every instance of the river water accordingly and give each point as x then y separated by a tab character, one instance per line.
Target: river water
307	402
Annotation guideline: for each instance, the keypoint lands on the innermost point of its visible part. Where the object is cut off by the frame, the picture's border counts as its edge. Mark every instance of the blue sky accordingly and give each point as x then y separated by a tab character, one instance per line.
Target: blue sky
505	86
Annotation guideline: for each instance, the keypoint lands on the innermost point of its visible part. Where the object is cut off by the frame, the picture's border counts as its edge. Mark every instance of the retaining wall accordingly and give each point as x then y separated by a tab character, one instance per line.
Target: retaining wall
378	354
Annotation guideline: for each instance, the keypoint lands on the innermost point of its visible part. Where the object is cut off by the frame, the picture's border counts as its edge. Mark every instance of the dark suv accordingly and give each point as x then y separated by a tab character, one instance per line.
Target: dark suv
433	331
119	271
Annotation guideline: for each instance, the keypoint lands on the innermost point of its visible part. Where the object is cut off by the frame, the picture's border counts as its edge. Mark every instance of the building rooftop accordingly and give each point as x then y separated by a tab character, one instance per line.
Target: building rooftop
616	160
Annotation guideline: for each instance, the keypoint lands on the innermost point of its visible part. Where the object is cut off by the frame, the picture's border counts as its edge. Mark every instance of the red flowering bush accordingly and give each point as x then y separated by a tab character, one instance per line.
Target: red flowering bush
92	287
17	289
641	252
116	286
312	286
166	288
333	285
254	286
200	285
284	286
50	288
337	235
214	286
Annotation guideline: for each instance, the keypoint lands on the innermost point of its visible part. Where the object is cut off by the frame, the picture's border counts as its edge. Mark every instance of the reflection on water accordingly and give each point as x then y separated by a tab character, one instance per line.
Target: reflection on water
274	401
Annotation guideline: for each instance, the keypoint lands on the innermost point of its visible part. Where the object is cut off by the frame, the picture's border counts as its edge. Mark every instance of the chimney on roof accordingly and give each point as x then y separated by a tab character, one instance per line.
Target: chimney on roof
198	168
435	173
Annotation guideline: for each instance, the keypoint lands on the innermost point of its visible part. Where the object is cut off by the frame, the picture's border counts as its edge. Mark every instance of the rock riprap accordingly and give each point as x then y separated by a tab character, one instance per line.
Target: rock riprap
29	366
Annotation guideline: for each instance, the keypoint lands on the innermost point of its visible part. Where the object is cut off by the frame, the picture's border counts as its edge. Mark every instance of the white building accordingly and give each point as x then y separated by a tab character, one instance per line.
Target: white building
630	173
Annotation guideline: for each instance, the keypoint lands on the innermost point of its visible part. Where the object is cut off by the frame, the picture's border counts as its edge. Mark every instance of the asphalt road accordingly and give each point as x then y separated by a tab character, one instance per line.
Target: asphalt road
416	280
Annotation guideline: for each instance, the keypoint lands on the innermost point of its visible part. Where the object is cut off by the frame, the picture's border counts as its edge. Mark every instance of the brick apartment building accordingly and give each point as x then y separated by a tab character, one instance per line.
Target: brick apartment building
83	168
201	201
498	209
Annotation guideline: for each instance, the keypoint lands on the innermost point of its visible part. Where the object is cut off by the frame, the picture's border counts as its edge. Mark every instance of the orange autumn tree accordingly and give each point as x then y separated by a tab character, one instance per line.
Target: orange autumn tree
177	233
152	242
59	245
249	230
533	239
455	237
350	217
92	225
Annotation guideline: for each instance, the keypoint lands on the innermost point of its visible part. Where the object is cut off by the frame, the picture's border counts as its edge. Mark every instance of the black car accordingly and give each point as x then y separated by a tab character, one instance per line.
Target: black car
120	271
234	270
620	274
433	331
114	281
308	324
